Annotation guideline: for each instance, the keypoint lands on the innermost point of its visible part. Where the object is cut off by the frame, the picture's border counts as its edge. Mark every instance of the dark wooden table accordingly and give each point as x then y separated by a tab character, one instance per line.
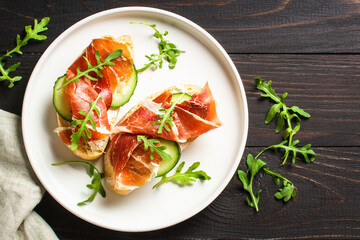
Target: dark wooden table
309	49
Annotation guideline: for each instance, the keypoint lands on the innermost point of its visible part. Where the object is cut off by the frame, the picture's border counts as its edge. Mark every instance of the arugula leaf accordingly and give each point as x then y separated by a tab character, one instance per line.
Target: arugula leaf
166	117
286	115
150	143
254	165
83	130
185	178
155	60
96	68
308	154
31	33
5	74
288	189
280	106
96	184
167	50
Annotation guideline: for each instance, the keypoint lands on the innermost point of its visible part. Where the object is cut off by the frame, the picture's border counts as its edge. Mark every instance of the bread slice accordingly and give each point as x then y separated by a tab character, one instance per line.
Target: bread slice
94	149
108	168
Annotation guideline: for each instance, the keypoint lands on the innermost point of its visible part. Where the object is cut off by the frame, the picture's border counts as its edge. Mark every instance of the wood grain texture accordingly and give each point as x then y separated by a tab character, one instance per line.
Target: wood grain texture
326	86
326	206
248	26
309	49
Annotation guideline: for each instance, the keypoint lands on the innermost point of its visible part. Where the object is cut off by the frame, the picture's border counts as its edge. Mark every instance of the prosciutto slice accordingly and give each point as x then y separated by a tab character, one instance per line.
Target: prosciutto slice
191	119
81	93
113	76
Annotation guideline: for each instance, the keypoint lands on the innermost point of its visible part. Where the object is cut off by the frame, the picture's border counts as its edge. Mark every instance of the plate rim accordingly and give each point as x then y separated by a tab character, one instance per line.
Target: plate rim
221	187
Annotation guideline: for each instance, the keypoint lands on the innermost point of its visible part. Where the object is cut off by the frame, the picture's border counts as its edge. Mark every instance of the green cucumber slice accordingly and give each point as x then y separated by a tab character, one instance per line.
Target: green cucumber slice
60	100
182	96
123	95
173	149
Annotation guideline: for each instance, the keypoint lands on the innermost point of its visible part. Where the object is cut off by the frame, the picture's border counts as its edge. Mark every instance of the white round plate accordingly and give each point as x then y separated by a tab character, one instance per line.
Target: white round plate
219	151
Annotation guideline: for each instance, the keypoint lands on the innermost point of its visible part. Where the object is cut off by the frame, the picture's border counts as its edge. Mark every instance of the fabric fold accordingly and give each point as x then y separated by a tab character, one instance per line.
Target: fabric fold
20	190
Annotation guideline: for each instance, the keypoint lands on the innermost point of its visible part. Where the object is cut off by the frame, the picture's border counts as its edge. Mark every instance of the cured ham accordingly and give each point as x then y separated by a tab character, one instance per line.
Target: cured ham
135	163
191	118
113	76
81	93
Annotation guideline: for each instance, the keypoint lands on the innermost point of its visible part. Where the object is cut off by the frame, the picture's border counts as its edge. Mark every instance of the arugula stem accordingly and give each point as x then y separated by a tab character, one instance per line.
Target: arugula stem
82	162
288	120
150	25
262	151
4	72
147	65
271	173
144	68
8	54
253	198
16	49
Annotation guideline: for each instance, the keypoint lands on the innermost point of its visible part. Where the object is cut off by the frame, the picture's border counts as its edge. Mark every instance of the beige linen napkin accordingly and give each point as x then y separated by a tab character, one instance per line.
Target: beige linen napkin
20	190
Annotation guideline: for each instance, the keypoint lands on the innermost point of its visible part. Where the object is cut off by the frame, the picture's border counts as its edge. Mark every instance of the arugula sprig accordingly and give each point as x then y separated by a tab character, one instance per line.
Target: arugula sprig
151	143
93	68
287	191
155	60
5	74
31	33
286	116
308	154
254	166
167	49
186	177
83	130
96	184
166	117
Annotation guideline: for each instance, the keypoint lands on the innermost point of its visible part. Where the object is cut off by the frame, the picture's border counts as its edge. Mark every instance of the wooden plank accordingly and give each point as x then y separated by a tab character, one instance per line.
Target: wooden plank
248	26
326	206
326	86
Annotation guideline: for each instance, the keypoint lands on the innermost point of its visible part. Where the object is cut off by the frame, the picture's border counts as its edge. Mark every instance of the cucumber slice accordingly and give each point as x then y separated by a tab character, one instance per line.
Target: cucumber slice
122	95
182	96
60	100
173	149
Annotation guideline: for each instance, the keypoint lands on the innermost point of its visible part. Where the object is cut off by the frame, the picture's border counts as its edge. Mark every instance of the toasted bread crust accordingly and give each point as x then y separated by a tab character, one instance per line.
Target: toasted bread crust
109	170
